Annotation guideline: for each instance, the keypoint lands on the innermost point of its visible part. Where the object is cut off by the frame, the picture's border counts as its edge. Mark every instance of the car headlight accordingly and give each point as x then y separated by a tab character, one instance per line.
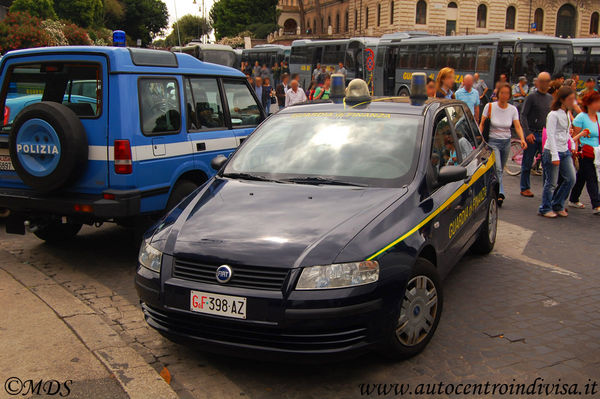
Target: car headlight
150	257
338	276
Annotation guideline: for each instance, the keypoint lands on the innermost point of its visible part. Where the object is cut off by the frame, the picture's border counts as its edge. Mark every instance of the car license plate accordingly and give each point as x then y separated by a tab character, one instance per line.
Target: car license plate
221	305
5	163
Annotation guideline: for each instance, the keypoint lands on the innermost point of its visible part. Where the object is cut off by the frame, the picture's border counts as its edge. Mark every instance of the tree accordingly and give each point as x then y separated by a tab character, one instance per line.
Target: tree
190	27
43	9
230	17
21	30
144	19
84	13
114	14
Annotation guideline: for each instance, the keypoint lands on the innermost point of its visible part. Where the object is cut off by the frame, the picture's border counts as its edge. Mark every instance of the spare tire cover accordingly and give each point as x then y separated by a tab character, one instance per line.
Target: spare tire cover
48	146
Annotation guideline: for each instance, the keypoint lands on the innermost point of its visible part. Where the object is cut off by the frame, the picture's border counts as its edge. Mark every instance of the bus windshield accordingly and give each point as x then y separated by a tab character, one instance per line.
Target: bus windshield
540	57
221	57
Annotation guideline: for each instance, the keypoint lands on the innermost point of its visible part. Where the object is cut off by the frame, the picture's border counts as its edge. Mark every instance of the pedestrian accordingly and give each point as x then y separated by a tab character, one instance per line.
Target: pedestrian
444	83
430	88
322	75
534	86
503	117
276	70
480	86
284	67
533	119
296	77
560	77
469	95
342	70
310	92
270	93
556	159
295	95
519	92
250	80
590	85
586	125
494	96
573	85
261	93
265	72
503	78
256	69
316	71
281	89
322	92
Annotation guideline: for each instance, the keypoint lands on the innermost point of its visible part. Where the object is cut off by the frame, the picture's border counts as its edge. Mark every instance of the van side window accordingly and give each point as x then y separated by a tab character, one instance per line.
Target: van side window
78	86
159	105
244	109
466	142
205	109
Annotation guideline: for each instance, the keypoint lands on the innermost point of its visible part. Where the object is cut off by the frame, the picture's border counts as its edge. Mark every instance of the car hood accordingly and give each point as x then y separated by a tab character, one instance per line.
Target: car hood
276	225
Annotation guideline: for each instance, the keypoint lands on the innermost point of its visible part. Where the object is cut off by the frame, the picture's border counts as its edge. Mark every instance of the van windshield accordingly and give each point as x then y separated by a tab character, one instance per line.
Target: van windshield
371	149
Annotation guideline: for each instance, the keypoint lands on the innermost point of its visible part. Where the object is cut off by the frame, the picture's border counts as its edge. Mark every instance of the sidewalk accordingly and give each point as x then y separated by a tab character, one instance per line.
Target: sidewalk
48	335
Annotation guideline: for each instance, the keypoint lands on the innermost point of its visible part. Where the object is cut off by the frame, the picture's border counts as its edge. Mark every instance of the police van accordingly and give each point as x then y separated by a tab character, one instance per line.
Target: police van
96	134
328	232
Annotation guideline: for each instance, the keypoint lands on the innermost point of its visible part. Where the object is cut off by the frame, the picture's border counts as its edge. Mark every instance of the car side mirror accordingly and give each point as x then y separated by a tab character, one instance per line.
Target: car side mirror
450	174
217	162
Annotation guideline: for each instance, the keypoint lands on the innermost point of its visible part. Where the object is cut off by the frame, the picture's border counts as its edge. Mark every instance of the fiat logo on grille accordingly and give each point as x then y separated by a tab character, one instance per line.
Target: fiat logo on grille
223	274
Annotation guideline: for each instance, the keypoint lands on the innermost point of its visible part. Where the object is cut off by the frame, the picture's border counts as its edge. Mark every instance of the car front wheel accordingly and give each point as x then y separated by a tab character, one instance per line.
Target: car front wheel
418	315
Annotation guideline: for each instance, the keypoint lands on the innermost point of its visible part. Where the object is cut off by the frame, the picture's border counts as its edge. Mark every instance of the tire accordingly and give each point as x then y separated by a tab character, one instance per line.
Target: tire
403	92
48	146
487	235
182	189
57	232
410	316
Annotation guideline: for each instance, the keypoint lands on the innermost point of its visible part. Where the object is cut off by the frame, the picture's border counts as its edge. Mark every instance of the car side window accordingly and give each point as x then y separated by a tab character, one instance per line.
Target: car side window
204	106
443	150
243	107
466	142
159	105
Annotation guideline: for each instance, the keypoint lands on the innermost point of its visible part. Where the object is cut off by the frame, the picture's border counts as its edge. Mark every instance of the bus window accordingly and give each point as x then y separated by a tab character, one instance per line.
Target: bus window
299	55
449	55
505	60
404	56
467	62
580	58
484	60
593	66
427	56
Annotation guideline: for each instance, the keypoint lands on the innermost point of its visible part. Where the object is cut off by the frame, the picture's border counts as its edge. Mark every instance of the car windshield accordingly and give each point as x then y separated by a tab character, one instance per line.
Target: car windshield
370	149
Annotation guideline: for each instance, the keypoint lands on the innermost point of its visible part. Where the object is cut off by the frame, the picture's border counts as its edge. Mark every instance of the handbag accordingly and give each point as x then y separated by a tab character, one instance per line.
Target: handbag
587	151
487	124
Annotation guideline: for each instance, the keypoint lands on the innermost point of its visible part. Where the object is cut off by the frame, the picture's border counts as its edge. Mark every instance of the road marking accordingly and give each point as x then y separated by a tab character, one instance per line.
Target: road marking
511	241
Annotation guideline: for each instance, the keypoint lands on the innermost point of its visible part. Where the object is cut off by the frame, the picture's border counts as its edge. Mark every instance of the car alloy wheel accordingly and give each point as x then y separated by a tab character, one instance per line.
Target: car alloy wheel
418	312
492	220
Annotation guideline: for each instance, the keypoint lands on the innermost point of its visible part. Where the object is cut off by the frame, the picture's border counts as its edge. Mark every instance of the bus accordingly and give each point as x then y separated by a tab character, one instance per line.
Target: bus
586	60
306	54
490	55
213	53
268	54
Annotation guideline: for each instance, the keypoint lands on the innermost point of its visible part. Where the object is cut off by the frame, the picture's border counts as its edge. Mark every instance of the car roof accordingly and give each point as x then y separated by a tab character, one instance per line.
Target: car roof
392	105
134	60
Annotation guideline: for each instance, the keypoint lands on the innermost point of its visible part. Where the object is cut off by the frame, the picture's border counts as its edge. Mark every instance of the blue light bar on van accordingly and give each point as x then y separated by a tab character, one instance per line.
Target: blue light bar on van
418	88
119	38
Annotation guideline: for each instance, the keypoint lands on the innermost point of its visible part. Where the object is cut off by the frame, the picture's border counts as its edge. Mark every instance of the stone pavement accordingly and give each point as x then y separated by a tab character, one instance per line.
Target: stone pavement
51	343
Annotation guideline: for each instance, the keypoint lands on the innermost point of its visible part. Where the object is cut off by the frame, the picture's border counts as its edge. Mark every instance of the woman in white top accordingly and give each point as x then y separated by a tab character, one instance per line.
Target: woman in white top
504	116
557	159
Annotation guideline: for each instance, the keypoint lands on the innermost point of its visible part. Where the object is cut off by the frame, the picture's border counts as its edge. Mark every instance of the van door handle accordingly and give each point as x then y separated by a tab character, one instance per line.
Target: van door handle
200	146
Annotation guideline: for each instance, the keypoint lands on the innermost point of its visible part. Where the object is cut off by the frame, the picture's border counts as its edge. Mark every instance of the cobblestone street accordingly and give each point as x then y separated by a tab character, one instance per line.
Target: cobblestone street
531	309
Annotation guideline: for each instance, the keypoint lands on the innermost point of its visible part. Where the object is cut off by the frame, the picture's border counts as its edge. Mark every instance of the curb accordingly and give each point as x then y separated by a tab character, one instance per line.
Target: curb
137	378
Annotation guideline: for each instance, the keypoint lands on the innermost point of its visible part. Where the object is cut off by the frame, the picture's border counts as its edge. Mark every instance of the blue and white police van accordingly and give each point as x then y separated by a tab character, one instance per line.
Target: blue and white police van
96	134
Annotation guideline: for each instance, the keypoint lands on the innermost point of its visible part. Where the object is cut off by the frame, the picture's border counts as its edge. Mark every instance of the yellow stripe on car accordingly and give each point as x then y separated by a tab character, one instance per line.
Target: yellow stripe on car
478	173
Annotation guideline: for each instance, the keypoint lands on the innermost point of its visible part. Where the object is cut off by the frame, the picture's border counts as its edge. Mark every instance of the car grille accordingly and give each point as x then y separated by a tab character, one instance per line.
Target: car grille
259	336
254	277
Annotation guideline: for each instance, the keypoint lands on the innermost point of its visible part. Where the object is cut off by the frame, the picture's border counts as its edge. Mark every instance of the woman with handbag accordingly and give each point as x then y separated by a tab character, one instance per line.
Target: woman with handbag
586	125
556	158
496	121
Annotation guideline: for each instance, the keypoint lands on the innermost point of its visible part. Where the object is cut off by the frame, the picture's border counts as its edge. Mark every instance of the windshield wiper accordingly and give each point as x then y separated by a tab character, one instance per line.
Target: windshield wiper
316	180
249	176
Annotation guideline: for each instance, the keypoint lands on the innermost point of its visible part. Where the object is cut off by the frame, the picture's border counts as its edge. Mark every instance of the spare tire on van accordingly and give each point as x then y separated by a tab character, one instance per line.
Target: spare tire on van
48	146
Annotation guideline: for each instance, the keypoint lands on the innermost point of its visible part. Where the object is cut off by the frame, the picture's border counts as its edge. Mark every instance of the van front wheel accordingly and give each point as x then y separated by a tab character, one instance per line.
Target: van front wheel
182	189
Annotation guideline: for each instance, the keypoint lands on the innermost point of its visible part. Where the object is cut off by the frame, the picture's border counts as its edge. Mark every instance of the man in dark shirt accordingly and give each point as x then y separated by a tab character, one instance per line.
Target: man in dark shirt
281	89
533	119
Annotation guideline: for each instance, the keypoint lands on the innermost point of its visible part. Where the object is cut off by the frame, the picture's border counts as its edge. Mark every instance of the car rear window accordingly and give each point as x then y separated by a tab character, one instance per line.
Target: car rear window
75	85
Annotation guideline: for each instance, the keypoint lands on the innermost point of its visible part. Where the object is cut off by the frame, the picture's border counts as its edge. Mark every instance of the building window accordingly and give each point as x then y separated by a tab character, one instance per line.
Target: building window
594	23
355	19
328	22
538	19
366	17
346	20
511	16
378	14
337	23
421	17
482	16
452	5
391	13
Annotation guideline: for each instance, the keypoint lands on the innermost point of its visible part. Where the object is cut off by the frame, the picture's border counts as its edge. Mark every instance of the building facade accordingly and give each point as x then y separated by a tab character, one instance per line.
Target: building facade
346	18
